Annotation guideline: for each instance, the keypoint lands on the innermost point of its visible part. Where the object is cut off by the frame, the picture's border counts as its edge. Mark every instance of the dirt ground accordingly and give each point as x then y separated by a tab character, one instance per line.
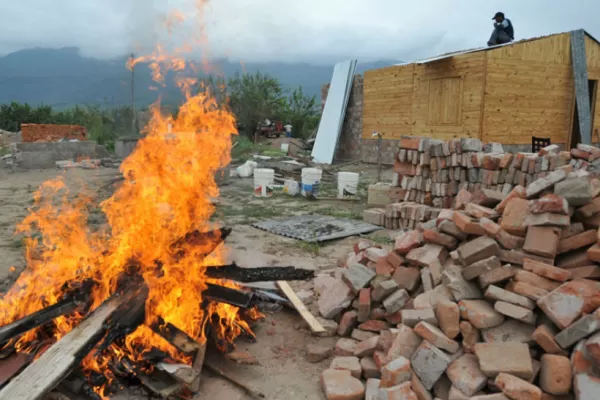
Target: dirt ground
283	372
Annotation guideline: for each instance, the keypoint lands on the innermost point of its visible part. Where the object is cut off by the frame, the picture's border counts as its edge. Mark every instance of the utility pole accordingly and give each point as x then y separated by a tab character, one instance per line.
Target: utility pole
133	118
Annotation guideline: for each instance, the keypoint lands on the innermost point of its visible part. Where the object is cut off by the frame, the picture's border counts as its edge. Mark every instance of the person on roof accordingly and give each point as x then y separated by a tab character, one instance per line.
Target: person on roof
503	30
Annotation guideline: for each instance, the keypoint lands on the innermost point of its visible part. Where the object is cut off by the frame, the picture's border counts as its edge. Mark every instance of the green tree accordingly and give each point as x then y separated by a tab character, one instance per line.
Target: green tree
254	98
302	112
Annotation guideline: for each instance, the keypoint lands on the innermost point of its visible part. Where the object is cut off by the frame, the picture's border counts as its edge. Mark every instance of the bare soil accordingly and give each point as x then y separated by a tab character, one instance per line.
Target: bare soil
281	338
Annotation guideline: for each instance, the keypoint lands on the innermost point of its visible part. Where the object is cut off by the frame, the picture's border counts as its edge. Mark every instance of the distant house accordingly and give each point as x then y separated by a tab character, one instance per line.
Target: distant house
504	94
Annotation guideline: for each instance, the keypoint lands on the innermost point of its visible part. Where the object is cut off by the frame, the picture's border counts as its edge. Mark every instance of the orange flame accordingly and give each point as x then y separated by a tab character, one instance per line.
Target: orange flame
166	194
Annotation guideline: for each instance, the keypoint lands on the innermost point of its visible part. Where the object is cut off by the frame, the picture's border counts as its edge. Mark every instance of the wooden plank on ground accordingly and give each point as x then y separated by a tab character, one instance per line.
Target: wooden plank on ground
580	79
46	372
310	319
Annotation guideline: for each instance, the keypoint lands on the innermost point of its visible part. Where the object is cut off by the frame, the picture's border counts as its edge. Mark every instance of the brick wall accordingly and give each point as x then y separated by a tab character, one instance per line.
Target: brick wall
51	132
351	146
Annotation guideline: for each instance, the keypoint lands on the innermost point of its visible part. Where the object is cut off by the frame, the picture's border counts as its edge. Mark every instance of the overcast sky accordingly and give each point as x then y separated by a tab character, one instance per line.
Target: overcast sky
286	30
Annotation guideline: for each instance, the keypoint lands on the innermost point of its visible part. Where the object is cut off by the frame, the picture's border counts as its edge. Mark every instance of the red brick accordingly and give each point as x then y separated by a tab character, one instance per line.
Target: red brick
362	245
351	364
570	301
584	239
593	253
380	358
369	368
364	304
395	259
405	168
476	211
398	392
509	357
384	268
465	375
547	271
407	278
407	241
436	237
467	225
487	197
410	142
544	337
462	199
536	280
429	253
515	215
574	229
341	385
448	316
470	335
367	347
52	132
436	337
586	272
373	325
550	203
444	215
345	347
515	312
542	241
347	323
555	374
517	389
517	192
396	372
480	313
526	289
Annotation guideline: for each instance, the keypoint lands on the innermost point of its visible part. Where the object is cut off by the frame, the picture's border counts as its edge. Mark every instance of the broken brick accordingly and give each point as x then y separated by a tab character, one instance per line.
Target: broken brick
423	256
480	313
435	336
341	385
550	203
412	317
547	271
408	241
467	225
465	374
477	249
364	304
347	323
555	375
509	357
396	372
569	301
517	389
351	364
434	236
407	278
448	317
544	337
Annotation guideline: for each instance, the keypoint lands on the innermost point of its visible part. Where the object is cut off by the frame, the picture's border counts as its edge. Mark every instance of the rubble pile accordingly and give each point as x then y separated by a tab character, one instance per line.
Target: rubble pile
498	298
432	172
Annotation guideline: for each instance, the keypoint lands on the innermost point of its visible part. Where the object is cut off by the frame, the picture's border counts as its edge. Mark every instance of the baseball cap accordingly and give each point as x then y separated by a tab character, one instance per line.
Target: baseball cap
498	14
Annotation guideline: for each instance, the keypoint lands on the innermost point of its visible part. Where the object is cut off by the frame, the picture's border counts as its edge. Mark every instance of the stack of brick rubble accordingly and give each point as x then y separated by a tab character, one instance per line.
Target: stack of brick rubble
432	172
486	302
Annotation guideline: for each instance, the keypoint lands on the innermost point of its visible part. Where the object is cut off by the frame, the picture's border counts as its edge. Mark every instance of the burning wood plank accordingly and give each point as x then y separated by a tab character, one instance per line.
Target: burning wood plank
228	295
68	304
261	274
47	371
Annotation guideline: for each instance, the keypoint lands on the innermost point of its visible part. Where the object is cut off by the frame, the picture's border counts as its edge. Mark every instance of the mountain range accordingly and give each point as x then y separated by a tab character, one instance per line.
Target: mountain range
63	77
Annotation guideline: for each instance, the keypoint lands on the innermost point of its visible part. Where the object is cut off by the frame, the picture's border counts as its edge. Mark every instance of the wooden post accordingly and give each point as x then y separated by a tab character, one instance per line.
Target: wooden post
580	82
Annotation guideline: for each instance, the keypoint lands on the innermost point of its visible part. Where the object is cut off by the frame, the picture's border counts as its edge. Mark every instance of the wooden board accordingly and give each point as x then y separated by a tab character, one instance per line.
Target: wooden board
47	371
554	49
310	319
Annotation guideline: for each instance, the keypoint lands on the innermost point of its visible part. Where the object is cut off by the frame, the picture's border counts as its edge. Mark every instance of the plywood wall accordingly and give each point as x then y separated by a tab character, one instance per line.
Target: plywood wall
529	91
447	97
388	102
592	50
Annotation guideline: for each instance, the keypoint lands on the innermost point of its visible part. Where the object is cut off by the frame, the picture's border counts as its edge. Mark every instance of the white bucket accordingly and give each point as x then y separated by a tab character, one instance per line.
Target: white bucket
347	184
311	180
291	187
264	180
285	147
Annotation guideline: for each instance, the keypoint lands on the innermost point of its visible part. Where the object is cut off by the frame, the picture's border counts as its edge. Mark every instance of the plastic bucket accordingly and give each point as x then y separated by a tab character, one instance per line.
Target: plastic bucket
291	187
264	180
347	184
311	180
285	147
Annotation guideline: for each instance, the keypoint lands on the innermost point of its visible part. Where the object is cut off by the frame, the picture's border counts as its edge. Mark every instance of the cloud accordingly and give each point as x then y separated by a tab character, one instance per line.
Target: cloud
275	30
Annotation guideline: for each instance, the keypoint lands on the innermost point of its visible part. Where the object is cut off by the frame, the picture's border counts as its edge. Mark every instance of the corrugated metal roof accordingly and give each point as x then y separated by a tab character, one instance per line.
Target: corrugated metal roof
487	48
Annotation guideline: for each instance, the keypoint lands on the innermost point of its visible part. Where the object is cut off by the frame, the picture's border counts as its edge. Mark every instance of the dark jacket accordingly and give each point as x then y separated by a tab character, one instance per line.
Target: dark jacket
507	27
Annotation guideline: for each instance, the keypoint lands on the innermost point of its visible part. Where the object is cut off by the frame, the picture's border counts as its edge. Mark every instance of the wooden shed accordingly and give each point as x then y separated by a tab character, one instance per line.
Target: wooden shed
543	87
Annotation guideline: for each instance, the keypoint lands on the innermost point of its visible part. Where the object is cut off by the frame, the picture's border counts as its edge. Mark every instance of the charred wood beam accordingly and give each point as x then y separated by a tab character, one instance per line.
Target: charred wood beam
227	295
57	362
74	298
261	274
196	238
176	337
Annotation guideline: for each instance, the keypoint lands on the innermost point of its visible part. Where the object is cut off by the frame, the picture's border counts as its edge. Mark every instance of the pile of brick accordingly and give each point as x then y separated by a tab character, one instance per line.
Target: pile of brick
432	171
52	132
496	299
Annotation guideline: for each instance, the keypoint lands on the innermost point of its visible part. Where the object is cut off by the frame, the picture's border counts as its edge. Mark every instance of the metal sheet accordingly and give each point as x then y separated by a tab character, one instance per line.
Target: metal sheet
315	228
580	79
478	49
334	112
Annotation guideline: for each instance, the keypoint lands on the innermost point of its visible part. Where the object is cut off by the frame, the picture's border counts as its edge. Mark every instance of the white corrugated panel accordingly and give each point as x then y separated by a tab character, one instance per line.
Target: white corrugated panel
334	112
